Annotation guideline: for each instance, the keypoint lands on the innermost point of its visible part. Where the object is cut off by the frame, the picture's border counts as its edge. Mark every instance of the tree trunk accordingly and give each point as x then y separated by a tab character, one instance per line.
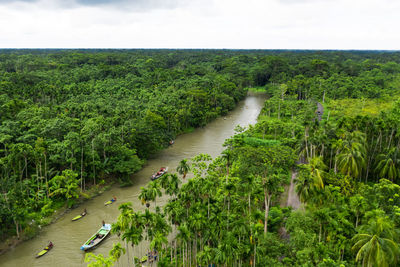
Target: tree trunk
26	166
255	250
40	173
94	168
16	227
305	138
267	201
82	182
320	233
208	208
279	109
390	139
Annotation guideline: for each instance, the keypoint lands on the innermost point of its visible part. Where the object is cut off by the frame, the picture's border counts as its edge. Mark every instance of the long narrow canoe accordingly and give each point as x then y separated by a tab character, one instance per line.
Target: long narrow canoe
161	172
44	251
110	202
97	237
78	217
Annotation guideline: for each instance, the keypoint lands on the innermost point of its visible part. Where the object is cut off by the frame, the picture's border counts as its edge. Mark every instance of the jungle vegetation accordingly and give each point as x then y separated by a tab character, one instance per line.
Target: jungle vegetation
73	119
233	211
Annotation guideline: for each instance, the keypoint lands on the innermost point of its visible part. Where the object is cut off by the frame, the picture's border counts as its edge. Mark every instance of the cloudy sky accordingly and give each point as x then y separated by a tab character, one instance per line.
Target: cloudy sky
243	24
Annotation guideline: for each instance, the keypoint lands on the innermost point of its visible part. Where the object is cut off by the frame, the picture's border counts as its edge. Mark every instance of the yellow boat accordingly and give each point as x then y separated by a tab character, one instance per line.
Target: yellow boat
45	250
79	216
110	201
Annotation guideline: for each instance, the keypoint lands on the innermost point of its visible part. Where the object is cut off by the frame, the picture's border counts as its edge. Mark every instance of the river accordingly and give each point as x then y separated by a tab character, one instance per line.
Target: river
68	236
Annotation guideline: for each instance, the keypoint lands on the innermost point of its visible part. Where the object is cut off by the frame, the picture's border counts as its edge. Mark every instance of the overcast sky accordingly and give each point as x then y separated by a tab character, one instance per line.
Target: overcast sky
243	24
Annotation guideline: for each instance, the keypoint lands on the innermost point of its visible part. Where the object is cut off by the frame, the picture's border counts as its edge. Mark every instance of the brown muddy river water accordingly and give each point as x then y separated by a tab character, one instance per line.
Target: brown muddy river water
68	236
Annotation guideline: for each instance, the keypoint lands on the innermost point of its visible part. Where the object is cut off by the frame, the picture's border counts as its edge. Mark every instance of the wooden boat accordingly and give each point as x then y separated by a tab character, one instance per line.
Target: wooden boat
161	172
110	201
79	216
45	250
99	236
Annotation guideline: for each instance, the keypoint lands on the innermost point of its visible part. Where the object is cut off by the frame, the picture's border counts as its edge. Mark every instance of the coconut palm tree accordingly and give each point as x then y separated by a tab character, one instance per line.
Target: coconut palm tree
317	169
388	163
352	157
183	168
304	186
351	161
376	243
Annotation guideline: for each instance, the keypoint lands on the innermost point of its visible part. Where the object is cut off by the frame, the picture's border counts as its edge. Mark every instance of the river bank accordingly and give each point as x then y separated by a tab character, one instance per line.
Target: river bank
36	228
68	236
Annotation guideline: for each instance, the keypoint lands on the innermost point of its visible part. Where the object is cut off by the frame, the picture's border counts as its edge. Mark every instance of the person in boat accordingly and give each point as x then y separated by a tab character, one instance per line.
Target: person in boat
150	256
50	245
155	254
84	212
113	199
104	224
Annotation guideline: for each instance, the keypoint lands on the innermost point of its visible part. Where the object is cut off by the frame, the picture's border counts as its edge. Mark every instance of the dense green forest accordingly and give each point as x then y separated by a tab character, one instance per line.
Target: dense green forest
233	211
73	119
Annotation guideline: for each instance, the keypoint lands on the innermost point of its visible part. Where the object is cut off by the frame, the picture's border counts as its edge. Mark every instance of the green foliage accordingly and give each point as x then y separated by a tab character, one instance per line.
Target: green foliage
256	142
73	119
65	185
98	260
376	243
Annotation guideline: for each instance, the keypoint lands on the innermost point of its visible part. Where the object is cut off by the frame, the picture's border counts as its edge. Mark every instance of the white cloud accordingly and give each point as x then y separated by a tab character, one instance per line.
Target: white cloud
260	24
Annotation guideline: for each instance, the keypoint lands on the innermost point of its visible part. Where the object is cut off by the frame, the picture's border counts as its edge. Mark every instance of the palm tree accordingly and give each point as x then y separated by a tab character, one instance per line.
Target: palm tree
144	196
205	256
310	178
227	155
183	168
158	241
170	183
388	163
376	243
123	223
351	159
117	251
164	181
317	169
154	191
